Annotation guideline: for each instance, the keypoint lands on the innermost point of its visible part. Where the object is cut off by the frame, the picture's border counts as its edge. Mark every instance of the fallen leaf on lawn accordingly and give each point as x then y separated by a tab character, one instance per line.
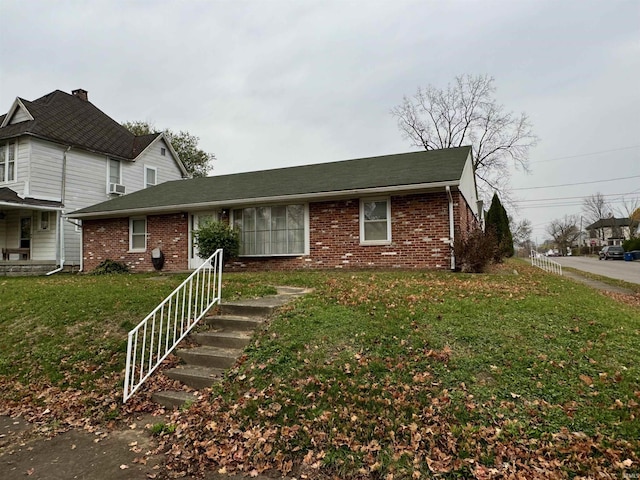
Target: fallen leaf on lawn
124	467
586	379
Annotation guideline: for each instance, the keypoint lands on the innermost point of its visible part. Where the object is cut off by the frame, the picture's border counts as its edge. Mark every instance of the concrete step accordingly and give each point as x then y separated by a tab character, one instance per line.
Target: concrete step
232	322
195	376
173	399
223	338
246	309
205	356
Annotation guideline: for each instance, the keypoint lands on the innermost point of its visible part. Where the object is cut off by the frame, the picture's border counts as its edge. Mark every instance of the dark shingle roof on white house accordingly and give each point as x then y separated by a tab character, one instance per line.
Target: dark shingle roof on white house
388	173
73	120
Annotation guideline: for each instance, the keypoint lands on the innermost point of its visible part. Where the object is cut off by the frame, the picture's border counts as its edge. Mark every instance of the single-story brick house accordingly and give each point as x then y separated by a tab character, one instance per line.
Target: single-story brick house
392	211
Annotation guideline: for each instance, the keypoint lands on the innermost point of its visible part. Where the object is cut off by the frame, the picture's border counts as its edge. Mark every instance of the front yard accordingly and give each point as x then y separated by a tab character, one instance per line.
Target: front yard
374	375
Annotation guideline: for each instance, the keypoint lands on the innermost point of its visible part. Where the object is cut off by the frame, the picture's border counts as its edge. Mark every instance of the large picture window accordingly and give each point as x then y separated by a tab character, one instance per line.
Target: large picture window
8	162
375	221
137	234
271	230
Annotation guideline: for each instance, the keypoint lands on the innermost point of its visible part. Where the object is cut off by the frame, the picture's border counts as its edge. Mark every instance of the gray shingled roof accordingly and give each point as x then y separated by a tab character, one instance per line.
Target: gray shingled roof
8	196
610	222
398	172
69	120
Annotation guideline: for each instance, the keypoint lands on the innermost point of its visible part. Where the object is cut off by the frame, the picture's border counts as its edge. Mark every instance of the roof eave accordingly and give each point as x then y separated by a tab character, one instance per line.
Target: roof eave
336	195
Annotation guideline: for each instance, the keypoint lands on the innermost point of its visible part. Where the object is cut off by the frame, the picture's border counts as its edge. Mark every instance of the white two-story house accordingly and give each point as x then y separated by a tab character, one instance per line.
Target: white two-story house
60	153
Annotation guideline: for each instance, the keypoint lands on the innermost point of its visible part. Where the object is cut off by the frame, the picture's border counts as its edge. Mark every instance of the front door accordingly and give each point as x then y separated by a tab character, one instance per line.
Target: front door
198	220
25	232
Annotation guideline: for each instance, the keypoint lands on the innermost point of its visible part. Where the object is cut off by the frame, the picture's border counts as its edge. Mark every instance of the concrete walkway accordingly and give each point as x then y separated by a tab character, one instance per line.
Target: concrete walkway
596	284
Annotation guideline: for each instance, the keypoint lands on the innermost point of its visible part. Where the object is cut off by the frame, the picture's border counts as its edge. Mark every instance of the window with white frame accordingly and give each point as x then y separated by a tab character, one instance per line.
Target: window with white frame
271	230
375	221
46	220
115	171
8	162
138	234
150	176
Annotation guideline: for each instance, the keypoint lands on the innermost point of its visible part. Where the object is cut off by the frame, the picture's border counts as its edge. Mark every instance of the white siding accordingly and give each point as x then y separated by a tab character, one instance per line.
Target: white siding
468	186
20	115
167	168
43	242
45	172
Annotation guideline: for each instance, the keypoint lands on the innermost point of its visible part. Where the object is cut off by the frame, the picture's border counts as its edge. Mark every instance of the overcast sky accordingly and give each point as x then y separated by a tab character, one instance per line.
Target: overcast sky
267	84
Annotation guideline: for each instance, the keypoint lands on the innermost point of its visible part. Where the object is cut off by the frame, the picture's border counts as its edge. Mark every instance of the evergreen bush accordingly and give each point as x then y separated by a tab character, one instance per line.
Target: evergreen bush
214	235
631	244
109	266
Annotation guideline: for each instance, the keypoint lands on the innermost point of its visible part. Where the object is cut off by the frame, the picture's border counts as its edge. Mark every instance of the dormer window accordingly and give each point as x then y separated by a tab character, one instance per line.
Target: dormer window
8	161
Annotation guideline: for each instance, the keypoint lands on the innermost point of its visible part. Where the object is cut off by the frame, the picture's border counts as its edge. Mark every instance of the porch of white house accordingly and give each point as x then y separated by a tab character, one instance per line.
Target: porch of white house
29	240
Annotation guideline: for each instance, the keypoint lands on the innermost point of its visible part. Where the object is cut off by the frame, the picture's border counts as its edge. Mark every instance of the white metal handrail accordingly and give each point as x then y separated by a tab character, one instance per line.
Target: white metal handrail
159	333
541	261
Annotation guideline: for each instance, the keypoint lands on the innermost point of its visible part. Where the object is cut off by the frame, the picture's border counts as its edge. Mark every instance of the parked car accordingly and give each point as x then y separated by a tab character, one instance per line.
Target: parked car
611	252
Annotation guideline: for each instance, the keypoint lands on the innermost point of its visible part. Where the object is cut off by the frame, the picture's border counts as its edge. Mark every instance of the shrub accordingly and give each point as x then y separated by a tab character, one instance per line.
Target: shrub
110	266
215	235
475	251
631	244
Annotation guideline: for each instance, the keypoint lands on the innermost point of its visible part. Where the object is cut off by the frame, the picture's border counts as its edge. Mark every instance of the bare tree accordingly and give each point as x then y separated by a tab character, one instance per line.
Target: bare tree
564	232
521	232
596	208
467	113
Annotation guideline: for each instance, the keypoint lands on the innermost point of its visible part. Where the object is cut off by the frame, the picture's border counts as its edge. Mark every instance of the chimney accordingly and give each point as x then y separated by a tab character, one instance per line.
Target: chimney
81	94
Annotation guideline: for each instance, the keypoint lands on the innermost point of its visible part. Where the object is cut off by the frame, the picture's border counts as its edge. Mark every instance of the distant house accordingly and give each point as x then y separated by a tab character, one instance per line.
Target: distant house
393	211
60	153
611	231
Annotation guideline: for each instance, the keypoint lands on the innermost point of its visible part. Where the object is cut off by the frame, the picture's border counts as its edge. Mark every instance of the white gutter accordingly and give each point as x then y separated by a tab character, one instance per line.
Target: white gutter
59	220
61	244
451	227
265	200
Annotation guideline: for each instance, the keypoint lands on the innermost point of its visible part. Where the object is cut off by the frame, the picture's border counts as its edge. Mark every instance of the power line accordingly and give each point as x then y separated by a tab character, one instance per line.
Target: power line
631	147
578	183
571	198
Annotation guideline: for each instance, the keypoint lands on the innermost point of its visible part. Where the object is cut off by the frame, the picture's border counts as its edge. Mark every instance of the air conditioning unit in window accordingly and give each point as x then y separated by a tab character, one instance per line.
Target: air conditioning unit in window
116	189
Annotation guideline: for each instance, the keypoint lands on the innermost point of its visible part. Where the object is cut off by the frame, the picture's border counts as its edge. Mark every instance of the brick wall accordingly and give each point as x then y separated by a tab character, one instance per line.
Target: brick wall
109	239
419	232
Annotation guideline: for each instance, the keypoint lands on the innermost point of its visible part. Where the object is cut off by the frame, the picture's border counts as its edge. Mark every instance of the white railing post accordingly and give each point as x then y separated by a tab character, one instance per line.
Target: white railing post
196	301
546	264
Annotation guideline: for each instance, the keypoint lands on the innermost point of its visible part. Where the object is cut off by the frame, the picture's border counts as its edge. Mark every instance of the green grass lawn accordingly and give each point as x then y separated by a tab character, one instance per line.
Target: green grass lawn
373	375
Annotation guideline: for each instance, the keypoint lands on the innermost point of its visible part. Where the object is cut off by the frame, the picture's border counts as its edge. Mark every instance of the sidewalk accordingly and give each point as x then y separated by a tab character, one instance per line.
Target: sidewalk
596	284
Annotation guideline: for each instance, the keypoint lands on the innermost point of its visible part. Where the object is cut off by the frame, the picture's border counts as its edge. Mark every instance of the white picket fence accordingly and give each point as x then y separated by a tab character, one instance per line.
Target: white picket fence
545	263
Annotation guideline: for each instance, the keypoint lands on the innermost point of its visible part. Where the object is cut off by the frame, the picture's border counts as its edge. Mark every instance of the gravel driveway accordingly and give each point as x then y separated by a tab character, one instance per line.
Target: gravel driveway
618	269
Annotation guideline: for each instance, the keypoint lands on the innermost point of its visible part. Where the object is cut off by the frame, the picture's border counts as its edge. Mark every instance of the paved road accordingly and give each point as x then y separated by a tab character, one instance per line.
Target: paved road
619	269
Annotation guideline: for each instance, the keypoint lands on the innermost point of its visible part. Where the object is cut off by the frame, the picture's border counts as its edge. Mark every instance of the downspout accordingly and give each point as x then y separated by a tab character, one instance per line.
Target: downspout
60	227
59	214
451	227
